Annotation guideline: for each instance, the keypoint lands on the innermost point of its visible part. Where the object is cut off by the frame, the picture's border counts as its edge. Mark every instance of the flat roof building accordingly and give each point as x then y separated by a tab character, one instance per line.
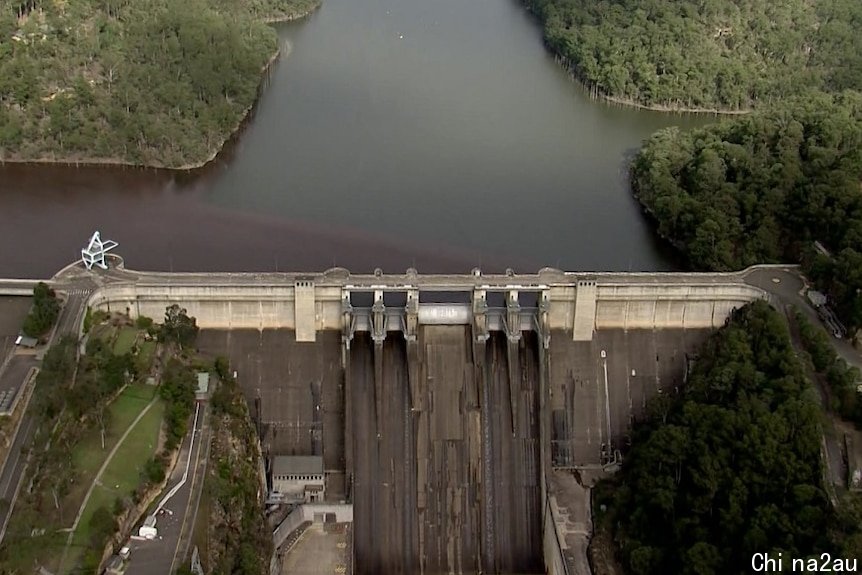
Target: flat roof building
25	341
299	477
202	391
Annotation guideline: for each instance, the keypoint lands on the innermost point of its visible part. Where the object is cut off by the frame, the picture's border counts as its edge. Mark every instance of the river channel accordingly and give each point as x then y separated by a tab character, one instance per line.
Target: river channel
438	134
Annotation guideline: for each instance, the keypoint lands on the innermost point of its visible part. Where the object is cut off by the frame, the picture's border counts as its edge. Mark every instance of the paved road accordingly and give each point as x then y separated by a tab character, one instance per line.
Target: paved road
13	469
13	310
786	285
16	370
433	282
70	321
166	553
16	462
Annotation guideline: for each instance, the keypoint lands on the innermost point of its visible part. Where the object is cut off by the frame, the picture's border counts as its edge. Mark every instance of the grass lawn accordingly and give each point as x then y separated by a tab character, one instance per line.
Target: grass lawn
123	473
125	340
88	454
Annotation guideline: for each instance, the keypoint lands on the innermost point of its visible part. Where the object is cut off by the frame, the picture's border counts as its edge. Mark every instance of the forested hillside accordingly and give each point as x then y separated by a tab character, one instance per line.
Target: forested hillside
235	538
762	188
706	54
730	466
155	82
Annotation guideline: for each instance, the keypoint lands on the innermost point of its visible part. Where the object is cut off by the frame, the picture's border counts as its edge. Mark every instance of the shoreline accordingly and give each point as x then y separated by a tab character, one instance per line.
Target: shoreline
113	162
595	94
283	50
294	17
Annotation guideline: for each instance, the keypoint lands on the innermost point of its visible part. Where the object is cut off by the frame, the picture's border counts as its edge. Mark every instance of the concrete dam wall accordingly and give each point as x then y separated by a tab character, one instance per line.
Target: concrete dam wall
308	304
442	405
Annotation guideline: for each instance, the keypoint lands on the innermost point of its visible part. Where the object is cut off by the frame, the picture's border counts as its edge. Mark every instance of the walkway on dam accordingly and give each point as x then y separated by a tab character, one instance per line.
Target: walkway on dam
76	275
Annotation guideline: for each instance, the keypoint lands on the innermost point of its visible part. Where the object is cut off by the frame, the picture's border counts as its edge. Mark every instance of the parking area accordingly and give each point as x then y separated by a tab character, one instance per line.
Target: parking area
12	378
13	310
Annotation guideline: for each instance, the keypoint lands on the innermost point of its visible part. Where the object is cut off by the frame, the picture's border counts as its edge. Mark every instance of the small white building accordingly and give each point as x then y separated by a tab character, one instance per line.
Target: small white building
25	341
299	478
148	529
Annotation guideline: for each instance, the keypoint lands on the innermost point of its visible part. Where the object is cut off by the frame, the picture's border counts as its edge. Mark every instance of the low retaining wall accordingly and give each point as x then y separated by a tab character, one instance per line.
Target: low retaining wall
310	512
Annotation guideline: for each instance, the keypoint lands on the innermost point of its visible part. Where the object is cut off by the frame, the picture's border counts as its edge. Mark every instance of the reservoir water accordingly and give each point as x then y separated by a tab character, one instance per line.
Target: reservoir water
438	134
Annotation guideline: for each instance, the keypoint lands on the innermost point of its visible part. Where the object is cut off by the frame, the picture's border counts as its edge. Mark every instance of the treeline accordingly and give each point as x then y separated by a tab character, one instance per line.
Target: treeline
155	82
762	188
730	466
237	536
838	375
43	314
272	10
706	54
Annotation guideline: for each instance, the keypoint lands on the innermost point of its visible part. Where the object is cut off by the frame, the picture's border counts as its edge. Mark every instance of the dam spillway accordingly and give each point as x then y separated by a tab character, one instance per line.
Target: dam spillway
443	484
444	470
446	408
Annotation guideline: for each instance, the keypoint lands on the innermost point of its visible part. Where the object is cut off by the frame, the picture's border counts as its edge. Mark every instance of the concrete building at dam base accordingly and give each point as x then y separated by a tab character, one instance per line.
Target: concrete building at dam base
463	416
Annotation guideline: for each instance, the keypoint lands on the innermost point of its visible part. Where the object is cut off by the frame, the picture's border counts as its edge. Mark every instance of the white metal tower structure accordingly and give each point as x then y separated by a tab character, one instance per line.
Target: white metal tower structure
94	253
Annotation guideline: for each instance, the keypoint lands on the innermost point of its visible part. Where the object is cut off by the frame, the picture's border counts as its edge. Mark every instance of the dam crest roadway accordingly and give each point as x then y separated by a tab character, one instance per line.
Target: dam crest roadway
464	416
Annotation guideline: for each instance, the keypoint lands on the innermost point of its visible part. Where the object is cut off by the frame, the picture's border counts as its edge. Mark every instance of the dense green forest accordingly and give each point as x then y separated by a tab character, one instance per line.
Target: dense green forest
238	540
43	314
762	188
839	377
706	54
154	82
730	466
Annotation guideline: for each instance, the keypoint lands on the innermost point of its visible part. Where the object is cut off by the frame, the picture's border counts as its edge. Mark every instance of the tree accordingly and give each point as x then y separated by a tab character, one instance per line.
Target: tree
43	313
178	327
158	82
715	54
102	524
762	189
728	466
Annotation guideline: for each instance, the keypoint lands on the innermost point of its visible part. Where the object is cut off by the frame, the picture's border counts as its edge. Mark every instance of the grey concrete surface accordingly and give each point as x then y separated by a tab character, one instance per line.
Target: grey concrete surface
572	512
512	489
450	486
13	310
448	455
13	376
321	549
384	494
594	398
444	282
295	389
